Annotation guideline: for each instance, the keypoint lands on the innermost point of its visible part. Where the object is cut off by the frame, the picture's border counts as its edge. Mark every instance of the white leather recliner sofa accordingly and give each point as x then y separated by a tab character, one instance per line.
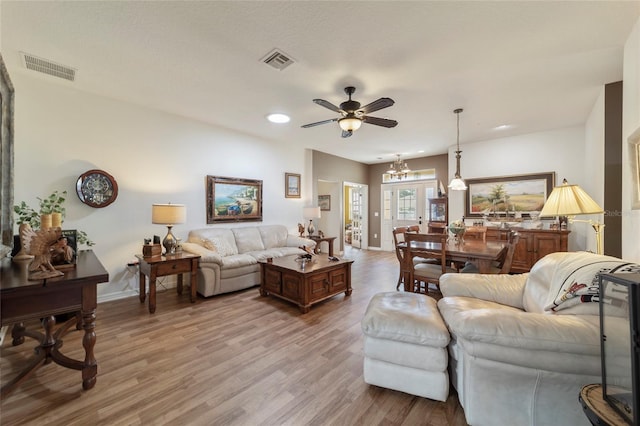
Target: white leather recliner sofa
522	346
229	256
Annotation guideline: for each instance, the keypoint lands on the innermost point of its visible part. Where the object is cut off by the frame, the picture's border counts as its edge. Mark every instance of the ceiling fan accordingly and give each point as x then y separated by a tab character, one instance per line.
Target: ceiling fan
353	115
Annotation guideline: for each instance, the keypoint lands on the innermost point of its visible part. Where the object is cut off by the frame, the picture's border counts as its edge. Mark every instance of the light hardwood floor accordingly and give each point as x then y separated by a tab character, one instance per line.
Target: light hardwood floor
235	359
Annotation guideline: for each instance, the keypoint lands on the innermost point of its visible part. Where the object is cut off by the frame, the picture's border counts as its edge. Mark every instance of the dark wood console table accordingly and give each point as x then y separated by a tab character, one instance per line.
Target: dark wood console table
76	292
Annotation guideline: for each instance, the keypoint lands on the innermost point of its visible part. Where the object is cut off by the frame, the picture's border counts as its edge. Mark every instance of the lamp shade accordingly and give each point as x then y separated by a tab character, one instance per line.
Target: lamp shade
311	212
168	214
457	184
569	200
350	123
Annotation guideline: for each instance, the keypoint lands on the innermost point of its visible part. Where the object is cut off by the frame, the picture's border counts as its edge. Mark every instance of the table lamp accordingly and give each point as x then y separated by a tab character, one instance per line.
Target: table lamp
169	214
571	200
311	213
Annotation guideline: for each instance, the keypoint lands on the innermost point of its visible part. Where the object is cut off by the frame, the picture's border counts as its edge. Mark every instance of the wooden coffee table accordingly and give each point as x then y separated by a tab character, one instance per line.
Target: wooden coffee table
318	280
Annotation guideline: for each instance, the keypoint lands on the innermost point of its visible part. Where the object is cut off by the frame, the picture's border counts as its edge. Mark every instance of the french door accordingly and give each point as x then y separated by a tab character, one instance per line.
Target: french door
357	207
405	204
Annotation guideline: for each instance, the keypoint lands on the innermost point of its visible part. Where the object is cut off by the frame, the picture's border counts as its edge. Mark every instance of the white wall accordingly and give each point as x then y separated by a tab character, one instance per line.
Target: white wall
630	126
155	158
560	151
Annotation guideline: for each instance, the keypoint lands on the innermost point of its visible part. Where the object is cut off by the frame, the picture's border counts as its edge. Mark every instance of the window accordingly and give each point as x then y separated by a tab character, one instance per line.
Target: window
407	203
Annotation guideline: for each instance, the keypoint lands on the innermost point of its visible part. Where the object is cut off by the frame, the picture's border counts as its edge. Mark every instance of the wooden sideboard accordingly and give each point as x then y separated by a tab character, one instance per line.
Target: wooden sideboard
534	244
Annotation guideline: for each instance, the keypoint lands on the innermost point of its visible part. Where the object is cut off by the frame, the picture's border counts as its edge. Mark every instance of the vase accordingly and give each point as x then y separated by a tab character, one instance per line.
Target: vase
46	221
56	220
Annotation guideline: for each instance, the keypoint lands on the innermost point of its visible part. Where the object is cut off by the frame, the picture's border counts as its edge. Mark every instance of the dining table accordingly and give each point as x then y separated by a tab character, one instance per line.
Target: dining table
481	253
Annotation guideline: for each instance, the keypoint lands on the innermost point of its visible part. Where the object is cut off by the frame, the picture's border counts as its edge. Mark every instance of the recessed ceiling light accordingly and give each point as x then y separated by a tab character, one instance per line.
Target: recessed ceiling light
503	127
278	118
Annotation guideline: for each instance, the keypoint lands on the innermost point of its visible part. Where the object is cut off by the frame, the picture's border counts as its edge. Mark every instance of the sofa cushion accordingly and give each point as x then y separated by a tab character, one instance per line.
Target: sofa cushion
405	317
248	239
488	327
273	236
567	283
237	261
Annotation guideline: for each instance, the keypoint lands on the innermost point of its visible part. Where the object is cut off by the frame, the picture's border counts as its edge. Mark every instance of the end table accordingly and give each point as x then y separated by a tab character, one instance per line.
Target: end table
160	266
597	410
318	240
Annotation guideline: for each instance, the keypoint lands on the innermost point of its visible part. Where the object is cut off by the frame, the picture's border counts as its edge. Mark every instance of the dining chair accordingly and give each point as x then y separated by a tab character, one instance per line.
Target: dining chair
399	237
425	273
476	233
502	265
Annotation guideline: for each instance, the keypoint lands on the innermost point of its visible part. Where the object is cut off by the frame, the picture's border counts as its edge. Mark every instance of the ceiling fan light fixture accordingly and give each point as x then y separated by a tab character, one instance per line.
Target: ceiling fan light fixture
349	124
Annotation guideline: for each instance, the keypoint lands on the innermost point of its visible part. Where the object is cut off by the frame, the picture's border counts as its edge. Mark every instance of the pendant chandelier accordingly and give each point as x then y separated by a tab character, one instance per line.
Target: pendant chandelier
398	169
457	184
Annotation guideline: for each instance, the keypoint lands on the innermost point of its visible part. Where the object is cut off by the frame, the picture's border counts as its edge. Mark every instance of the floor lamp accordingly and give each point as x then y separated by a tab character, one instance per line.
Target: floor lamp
571	200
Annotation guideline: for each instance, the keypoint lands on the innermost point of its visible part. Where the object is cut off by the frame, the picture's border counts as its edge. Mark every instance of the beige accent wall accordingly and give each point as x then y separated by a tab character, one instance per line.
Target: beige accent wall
438	162
329	168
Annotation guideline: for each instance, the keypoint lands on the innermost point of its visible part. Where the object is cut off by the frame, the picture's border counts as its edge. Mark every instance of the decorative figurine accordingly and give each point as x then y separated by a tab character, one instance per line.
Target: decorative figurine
321	234
301	229
38	244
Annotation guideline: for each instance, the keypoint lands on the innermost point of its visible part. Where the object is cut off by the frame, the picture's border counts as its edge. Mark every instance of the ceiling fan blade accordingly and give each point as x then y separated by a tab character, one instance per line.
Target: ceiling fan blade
384	122
327	105
317	123
377	105
347	133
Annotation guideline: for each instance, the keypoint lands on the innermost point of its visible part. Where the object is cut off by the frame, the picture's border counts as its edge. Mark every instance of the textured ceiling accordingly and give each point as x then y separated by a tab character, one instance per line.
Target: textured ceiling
532	65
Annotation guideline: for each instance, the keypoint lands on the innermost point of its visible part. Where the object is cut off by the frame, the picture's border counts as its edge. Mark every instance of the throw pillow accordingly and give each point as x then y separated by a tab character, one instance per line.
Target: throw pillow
218	245
580	284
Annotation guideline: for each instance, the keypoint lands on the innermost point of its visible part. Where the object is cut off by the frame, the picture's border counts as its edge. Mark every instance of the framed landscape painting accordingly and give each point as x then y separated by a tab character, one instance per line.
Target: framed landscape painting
233	199
499	195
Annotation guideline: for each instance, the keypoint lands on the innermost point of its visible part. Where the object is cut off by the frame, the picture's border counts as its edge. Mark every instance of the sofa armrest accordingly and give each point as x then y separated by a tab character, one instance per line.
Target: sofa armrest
295	241
206	255
500	288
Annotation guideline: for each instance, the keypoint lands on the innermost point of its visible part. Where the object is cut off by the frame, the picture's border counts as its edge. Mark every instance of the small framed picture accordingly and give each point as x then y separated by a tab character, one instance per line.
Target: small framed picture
324	201
291	185
64	250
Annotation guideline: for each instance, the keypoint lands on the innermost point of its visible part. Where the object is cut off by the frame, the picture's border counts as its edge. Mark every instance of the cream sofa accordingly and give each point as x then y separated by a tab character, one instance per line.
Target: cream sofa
230	256
522	346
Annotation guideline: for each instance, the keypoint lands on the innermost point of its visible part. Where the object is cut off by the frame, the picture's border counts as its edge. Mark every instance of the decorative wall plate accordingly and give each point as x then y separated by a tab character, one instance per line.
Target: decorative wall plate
96	188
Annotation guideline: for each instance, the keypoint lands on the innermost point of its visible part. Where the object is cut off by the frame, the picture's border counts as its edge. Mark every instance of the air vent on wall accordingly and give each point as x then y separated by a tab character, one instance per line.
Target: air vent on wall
278	59
47	67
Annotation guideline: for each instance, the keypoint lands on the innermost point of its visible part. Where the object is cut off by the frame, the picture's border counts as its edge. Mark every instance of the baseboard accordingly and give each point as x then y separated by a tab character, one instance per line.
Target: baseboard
116	296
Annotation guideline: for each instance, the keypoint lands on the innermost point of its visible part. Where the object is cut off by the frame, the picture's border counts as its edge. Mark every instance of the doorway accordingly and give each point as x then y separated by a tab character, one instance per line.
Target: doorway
355	213
405	204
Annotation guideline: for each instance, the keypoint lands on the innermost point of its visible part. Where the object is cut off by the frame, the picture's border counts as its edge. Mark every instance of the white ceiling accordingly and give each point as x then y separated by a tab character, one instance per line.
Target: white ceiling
533	65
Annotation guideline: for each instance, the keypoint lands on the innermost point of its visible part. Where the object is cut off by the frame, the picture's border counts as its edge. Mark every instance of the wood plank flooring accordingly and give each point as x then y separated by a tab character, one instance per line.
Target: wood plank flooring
235	359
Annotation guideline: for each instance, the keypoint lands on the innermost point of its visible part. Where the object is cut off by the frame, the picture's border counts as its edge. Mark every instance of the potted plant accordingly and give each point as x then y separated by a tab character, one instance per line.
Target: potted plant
52	212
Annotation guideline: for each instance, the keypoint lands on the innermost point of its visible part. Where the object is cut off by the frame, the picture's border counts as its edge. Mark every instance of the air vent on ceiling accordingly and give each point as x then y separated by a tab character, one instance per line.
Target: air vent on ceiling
48	67
278	59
